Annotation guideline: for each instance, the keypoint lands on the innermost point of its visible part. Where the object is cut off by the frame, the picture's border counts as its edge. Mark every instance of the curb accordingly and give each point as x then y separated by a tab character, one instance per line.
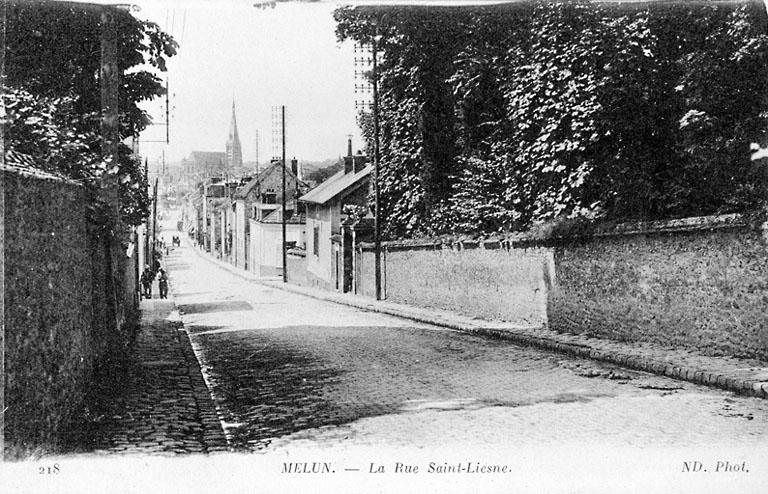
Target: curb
683	372
213	437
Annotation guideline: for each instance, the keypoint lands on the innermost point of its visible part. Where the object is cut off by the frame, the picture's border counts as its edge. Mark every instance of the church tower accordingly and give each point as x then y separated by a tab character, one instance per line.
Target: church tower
234	152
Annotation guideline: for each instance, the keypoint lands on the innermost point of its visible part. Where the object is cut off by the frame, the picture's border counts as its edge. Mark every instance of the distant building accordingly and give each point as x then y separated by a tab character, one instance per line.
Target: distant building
255	202
202	166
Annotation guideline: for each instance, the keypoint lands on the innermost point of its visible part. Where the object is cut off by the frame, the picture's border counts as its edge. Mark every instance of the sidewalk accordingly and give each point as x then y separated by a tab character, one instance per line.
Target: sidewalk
743	376
166	407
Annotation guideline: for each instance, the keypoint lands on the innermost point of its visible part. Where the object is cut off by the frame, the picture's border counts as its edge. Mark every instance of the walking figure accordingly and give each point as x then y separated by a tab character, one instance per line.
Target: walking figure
163	284
146	282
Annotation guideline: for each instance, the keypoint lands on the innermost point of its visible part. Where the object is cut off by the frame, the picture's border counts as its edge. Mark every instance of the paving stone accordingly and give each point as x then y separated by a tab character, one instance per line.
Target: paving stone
156	403
283	371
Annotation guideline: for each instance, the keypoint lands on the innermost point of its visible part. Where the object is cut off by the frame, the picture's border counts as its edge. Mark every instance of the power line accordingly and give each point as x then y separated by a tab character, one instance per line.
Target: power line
183	27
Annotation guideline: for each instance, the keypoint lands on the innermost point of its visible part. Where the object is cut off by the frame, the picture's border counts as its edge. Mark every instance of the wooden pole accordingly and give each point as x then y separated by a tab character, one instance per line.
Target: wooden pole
110	124
285	252
2	244
146	230
109	80
154	226
376	157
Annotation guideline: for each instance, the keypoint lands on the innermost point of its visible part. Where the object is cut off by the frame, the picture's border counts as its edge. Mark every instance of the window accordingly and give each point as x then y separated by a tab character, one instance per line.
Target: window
316	240
269	197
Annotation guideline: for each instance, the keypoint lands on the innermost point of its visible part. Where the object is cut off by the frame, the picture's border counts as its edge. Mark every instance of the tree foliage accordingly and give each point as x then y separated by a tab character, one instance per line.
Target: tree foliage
53	97
495	118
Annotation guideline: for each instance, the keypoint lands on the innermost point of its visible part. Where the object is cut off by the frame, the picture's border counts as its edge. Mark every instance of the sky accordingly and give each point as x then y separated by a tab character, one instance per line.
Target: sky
261	58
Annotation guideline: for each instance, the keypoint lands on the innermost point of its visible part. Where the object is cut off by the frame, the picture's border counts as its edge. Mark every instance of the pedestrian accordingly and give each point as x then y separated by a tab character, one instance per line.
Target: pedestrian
163	281
146	282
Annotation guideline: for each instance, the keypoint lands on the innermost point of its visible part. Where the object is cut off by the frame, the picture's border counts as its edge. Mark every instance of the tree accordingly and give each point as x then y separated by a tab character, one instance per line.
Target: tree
418	142
52	68
494	118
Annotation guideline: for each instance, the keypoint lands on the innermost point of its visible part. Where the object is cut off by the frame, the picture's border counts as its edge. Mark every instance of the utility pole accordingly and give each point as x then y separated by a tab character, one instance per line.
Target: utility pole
285	253
146	230
109	81
110	130
376	218
154	225
4	15
167	115
257	152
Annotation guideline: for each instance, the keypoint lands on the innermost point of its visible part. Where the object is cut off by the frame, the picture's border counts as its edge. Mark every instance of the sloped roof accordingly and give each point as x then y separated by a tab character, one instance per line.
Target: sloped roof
276	216
242	192
337	184
25	164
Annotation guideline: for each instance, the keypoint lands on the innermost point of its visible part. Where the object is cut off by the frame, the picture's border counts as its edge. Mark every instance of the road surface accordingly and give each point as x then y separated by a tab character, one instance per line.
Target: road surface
286	371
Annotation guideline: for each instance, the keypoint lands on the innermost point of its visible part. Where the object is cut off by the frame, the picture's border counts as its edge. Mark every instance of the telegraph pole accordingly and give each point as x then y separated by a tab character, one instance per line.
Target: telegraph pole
110	130
109	81
285	253
376	218
154	226
167	115
257	152
146	230
3	14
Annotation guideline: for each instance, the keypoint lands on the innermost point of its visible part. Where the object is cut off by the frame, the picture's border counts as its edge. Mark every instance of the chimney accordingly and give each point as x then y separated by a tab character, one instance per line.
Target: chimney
295	167
359	161
349	146
349	164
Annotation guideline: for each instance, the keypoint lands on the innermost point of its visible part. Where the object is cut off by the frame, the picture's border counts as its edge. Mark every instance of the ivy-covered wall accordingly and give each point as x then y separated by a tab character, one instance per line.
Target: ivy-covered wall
494	118
58	331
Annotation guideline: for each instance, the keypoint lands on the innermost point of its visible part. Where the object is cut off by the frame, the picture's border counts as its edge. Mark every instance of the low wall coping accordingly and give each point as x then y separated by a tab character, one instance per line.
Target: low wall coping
534	239
37	173
297	252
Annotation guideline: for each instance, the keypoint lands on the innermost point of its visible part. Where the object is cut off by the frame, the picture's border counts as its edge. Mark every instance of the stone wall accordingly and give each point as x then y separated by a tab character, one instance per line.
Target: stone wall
57	317
484	280
694	288
364	273
699	283
297	268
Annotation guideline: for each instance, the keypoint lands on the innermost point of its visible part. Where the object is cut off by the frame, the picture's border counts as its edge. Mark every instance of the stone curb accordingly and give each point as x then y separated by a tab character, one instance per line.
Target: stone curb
212	436
629	360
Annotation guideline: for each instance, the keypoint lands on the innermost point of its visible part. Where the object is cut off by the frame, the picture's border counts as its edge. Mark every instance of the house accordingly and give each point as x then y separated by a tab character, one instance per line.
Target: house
258	200
213	195
266	242
324	212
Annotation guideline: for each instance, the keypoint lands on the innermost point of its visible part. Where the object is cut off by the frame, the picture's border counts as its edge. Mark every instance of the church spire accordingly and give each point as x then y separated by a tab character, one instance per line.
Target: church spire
233	125
234	151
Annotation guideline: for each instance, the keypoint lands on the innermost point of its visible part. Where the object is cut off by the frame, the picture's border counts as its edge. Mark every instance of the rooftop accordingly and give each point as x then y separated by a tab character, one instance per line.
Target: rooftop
337	184
25	164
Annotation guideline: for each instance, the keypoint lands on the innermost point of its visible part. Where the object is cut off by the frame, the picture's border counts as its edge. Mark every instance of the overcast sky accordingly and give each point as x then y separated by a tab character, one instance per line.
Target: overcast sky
287	55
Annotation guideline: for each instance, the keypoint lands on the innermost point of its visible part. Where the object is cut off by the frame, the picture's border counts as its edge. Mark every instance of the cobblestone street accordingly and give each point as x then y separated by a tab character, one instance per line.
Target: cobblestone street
163	406
289	371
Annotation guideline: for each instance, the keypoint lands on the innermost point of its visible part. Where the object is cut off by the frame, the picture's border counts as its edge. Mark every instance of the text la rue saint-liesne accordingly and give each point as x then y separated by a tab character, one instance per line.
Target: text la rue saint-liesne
467	467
